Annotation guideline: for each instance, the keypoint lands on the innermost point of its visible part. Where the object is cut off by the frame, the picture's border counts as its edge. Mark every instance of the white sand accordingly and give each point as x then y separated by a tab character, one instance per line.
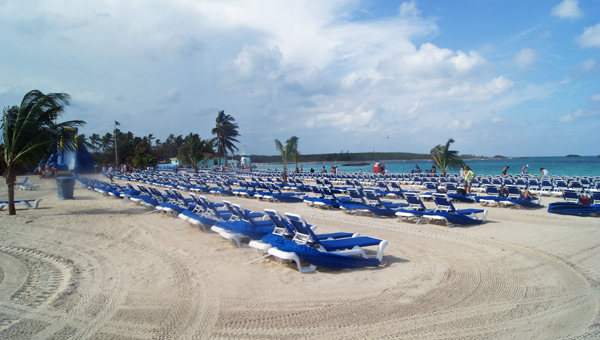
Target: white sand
98	268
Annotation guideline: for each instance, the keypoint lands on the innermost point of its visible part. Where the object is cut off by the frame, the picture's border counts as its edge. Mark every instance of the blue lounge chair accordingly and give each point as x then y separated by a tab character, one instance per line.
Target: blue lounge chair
345	246
26	203
443	203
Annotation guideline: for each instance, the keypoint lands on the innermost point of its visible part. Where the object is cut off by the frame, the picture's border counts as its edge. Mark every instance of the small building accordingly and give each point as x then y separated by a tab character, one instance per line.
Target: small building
175	161
208	161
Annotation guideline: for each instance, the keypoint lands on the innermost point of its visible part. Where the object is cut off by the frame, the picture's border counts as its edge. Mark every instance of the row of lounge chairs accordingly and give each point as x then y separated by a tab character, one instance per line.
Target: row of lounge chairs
289	238
360	200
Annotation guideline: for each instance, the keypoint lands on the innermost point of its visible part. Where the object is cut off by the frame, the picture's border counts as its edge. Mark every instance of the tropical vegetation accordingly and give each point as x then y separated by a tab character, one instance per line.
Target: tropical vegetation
444	158
226	131
30	131
194	150
290	150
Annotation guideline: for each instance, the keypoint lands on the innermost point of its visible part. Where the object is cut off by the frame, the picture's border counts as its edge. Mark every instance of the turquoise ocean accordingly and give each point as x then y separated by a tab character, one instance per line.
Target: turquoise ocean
561	166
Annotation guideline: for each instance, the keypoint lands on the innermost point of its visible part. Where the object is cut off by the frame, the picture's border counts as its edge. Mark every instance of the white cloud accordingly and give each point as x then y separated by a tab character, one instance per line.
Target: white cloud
525	58
409	10
345	121
254	61
595	98
571	116
568	9
590	37
431	61
312	69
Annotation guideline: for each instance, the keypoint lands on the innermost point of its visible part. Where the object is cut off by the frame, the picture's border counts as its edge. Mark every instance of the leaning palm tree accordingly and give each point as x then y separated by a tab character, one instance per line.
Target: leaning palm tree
290	149
96	141
445	158
226	131
29	132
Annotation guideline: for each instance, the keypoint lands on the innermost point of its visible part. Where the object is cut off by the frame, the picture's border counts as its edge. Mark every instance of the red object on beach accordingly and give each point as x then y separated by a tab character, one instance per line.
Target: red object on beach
378	167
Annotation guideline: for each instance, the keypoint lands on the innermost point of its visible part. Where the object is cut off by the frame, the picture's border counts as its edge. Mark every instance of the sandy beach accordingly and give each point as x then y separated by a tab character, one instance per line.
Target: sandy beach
99	268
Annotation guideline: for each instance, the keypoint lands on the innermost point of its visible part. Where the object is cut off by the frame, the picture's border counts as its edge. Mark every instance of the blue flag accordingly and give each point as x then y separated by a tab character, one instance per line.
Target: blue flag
117	123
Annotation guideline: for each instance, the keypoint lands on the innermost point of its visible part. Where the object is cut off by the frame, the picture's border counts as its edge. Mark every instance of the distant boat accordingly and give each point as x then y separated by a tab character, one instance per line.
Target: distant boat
573	156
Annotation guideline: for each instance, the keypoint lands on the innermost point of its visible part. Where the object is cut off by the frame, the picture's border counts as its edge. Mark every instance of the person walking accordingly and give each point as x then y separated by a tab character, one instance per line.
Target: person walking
524	170
505	170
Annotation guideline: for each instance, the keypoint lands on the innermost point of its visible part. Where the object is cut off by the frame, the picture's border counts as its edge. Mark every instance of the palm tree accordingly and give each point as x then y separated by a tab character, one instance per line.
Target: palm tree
107	142
290	150
96	141
294	149
198	147
150	138
29	131
226	131
445	158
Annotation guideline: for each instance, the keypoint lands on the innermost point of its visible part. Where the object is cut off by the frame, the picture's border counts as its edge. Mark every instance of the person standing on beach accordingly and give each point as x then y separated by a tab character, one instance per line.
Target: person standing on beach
469	175
545	172
524	170
110	174
505	170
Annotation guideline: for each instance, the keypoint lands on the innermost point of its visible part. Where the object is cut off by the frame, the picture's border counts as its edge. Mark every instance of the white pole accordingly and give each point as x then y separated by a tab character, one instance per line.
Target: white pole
115	136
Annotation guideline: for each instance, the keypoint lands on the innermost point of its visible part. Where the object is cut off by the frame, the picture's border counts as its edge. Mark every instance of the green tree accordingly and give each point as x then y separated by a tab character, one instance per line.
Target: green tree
144	157
30	131
107	142
290	150
96	141
226	131
193	150
444	158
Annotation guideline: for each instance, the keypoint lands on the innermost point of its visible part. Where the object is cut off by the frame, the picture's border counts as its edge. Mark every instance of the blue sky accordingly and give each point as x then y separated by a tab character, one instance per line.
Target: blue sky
513	78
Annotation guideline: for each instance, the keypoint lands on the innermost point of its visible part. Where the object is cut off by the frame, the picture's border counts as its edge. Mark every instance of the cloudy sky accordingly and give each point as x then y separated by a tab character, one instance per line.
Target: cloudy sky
514	78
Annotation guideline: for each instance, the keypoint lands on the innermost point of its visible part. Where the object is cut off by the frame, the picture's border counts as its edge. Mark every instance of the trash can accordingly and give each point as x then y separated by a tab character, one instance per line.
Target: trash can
65	187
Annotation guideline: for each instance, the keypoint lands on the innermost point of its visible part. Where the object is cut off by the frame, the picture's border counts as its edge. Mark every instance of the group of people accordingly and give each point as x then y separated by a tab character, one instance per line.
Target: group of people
332	170
545	172
469	176
48	172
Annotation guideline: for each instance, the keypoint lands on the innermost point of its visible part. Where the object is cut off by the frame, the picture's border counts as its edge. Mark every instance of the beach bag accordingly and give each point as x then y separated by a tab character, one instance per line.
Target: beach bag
585	200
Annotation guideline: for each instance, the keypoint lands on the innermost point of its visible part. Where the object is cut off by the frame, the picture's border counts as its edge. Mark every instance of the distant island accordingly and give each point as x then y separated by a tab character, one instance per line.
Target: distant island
355	158
573	156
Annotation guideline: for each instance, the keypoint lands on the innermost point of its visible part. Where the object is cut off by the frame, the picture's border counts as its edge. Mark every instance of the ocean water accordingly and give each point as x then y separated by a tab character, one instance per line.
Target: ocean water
561	166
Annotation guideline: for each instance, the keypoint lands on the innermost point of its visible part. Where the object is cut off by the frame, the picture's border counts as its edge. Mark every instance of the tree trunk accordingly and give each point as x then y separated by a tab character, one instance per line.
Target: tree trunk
11	196
284	175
